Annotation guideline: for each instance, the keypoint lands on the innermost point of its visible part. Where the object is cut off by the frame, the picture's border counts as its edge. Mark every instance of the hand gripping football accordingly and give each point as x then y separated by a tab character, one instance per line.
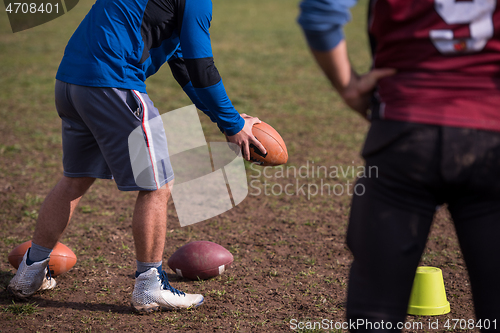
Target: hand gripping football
271	140
200	260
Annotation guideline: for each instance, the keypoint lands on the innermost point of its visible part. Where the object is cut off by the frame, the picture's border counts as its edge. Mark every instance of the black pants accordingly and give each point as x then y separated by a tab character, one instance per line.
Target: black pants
420	167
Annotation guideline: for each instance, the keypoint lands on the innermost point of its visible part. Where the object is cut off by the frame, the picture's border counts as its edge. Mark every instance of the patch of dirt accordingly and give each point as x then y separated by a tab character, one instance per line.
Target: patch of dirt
291	262
290	258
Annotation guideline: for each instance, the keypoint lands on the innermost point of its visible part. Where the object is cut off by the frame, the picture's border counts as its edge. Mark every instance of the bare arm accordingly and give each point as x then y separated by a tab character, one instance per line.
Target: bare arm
356	90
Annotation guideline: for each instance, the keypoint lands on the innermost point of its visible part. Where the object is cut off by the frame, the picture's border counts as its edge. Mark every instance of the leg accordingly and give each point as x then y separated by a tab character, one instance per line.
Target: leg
390	221
57	209
83	162
55	214
387	240
137	158
149	224
479	241
475	208
152	290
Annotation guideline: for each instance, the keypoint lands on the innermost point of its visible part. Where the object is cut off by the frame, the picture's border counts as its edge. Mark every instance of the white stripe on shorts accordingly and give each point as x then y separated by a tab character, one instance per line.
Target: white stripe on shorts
149	137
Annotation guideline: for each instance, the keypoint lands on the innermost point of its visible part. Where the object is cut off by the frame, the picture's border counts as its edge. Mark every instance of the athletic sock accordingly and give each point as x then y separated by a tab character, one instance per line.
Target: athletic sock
145	266
37	253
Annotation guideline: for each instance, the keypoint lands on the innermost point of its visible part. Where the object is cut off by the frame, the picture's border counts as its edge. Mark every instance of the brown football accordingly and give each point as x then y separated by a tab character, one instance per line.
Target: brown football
274	144
200	260
62	259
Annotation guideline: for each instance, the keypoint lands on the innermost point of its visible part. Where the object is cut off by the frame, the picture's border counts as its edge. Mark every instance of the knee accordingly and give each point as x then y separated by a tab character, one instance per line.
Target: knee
77	186
160	194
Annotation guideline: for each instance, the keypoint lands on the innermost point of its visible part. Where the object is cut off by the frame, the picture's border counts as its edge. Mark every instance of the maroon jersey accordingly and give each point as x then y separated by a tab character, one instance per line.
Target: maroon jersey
447	54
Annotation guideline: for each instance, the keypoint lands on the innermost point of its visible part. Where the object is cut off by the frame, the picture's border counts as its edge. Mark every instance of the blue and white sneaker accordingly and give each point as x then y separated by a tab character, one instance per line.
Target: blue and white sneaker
31	278
152	292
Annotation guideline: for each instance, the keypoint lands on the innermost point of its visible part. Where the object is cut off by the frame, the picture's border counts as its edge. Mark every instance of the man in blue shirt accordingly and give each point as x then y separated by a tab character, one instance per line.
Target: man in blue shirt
101	98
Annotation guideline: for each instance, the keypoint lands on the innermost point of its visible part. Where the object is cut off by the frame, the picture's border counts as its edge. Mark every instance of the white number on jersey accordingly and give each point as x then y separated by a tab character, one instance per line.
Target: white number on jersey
478	14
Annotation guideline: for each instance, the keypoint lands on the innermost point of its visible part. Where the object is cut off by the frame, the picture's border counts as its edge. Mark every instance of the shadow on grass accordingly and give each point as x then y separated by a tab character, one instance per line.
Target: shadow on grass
5	277
82	306
6	298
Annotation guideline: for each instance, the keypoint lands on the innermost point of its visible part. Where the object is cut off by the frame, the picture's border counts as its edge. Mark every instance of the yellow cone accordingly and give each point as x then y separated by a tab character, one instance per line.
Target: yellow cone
428	297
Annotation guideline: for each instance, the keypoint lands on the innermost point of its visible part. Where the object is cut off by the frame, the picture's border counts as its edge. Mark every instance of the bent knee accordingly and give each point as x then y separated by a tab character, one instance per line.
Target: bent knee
78	186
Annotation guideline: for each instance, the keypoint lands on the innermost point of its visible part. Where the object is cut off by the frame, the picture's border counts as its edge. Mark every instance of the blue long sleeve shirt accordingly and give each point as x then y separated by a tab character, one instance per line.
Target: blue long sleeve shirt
322	22
120	43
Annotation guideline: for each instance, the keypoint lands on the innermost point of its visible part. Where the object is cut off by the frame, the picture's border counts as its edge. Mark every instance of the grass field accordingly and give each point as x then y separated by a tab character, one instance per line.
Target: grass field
290	258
